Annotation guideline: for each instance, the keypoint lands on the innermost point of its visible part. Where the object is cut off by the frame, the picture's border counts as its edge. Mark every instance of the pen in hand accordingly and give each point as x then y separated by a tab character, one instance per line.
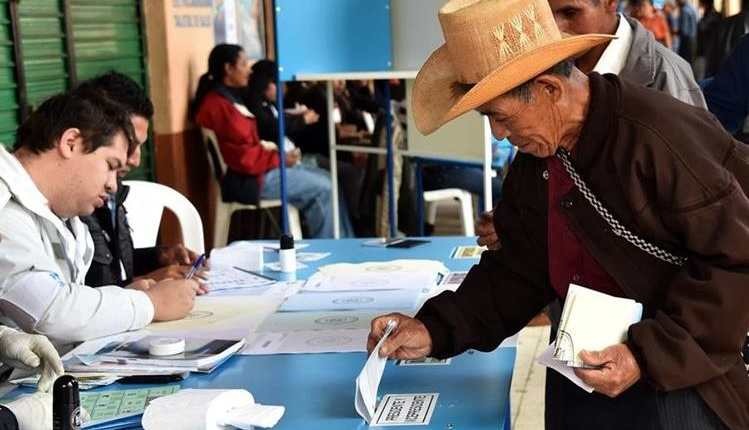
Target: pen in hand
195	266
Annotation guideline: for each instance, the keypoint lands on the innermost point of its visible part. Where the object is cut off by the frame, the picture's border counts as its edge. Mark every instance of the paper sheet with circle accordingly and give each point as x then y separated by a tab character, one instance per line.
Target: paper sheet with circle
307	342
352	300
380	275
326	320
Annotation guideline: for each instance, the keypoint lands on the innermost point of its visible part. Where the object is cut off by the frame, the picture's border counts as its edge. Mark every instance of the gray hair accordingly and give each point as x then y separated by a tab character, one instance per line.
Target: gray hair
524	92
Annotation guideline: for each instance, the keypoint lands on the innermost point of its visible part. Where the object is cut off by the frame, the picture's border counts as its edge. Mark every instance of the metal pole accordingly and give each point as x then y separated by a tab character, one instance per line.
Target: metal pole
390	162
281	125
333	160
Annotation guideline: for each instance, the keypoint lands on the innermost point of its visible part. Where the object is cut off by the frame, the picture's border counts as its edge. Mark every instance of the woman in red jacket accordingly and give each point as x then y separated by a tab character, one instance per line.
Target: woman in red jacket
217	106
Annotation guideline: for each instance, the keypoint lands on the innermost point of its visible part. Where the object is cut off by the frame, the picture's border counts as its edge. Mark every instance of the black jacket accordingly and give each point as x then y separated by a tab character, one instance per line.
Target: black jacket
113	244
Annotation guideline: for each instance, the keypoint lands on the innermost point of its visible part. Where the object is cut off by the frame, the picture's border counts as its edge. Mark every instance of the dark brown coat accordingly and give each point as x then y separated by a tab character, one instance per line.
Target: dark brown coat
672	175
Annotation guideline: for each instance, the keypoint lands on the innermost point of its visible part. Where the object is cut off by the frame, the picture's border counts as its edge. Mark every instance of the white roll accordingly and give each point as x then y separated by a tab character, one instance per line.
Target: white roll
194	409
164	346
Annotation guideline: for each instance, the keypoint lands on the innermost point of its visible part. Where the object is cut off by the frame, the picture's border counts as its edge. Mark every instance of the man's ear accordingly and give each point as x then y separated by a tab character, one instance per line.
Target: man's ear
70	142
549	86
611	5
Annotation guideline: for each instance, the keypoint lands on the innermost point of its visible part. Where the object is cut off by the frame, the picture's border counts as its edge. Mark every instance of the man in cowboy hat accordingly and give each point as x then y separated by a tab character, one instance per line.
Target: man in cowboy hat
611	176
634	55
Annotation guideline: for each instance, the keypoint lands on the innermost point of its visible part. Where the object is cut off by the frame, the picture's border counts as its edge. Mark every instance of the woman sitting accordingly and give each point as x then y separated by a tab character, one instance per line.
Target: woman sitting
218	107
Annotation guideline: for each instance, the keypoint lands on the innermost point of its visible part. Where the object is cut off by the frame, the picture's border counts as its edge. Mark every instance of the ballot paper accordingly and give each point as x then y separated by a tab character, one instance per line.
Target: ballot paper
547	359
592	321
198	409
230	278
468	252
368	380
308	257
352	300
380	275
307	342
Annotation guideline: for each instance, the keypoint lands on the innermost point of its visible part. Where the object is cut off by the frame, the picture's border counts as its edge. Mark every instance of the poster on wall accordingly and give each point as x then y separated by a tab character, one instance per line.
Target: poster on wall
240	22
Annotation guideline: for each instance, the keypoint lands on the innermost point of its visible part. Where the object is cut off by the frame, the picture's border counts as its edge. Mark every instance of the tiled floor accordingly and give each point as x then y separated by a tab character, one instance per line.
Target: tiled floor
529	379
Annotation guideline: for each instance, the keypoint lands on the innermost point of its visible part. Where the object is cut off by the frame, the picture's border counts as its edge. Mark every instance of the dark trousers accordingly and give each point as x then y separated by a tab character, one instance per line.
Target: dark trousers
568	407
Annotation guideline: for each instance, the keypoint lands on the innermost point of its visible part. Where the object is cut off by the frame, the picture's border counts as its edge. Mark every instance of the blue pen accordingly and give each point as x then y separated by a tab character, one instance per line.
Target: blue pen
195	266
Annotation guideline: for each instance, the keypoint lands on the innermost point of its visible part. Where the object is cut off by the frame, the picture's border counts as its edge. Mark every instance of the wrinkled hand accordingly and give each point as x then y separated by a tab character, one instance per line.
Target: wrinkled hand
487	235
31	352
35	412
293	157
176	254
619	369
409	340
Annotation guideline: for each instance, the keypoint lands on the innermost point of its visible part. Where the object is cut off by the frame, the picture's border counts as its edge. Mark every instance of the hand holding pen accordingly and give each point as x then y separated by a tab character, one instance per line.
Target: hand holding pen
195	266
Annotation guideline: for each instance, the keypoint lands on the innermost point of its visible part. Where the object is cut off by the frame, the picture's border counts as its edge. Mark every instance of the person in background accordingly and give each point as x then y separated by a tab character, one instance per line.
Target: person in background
728	33
115	260
707	32
653	20
671	13
634	55
64	165
218	106
687	30
727	92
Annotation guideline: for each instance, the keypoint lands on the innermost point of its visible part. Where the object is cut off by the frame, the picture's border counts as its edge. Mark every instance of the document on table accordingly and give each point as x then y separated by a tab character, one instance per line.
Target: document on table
368	380
326	320
229	278
242	254
380	275
468	252
352	300
105	406
307	342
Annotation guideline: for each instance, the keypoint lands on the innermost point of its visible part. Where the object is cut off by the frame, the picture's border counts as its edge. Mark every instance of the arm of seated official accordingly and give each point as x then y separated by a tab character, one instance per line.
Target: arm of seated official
173	272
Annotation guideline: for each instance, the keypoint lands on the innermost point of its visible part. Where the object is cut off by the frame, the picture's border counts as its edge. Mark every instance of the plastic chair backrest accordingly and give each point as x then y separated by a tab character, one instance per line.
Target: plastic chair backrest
145	205
214	153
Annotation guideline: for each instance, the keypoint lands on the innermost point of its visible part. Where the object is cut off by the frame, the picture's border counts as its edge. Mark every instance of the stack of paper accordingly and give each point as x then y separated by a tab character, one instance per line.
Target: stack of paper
591	321
129	354
381	275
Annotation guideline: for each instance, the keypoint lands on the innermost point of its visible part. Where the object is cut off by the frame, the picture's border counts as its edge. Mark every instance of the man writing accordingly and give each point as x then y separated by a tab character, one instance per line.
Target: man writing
634	55
670	180
115	261
64	165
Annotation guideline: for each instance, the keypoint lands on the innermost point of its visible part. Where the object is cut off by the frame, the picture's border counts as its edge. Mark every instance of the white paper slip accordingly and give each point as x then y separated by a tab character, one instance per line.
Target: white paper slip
242	254
354	300
547	359
427	361
276	266
326	320
369	378
454	279
308	257
307	342
406	410
377	275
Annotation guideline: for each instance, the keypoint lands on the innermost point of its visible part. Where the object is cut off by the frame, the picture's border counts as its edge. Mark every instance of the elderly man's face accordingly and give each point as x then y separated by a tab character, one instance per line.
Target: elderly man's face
534	127
584	16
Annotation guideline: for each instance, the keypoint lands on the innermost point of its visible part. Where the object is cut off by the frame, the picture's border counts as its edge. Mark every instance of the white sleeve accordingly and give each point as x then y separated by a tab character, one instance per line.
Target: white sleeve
35	295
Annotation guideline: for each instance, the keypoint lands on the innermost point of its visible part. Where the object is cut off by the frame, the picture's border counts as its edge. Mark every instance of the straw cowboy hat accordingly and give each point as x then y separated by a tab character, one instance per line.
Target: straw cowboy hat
494	45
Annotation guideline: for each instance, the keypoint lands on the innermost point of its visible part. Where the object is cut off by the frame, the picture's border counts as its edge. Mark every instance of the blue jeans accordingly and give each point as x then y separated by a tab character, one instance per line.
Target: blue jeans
309	190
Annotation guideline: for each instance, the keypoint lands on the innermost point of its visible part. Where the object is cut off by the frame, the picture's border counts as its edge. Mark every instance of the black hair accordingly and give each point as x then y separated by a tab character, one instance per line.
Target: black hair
123	90
220	55
98	118
524	92
263	74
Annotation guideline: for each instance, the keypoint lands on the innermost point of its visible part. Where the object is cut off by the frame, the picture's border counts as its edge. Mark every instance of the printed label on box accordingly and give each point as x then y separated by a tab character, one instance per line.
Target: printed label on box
406	409
428	361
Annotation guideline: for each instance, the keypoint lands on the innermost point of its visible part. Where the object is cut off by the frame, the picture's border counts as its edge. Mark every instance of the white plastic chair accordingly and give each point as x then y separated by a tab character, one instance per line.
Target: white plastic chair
224	210
433	198
145	205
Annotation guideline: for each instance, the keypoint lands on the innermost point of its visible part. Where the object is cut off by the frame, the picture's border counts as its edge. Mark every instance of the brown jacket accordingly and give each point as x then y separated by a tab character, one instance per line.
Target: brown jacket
672	175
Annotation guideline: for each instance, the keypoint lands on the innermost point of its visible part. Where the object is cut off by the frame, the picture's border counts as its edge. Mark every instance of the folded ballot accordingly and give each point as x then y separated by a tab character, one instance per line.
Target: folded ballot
592	321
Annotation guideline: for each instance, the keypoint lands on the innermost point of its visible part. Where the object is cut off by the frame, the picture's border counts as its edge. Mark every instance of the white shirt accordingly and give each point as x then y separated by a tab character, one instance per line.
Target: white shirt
43	265
615	55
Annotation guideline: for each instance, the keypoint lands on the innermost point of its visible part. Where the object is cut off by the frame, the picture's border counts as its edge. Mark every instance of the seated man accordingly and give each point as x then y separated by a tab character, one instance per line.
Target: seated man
115	261
64	165
616	187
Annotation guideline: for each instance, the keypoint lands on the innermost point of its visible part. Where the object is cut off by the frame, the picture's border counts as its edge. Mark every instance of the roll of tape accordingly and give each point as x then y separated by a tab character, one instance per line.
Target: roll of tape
166	346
